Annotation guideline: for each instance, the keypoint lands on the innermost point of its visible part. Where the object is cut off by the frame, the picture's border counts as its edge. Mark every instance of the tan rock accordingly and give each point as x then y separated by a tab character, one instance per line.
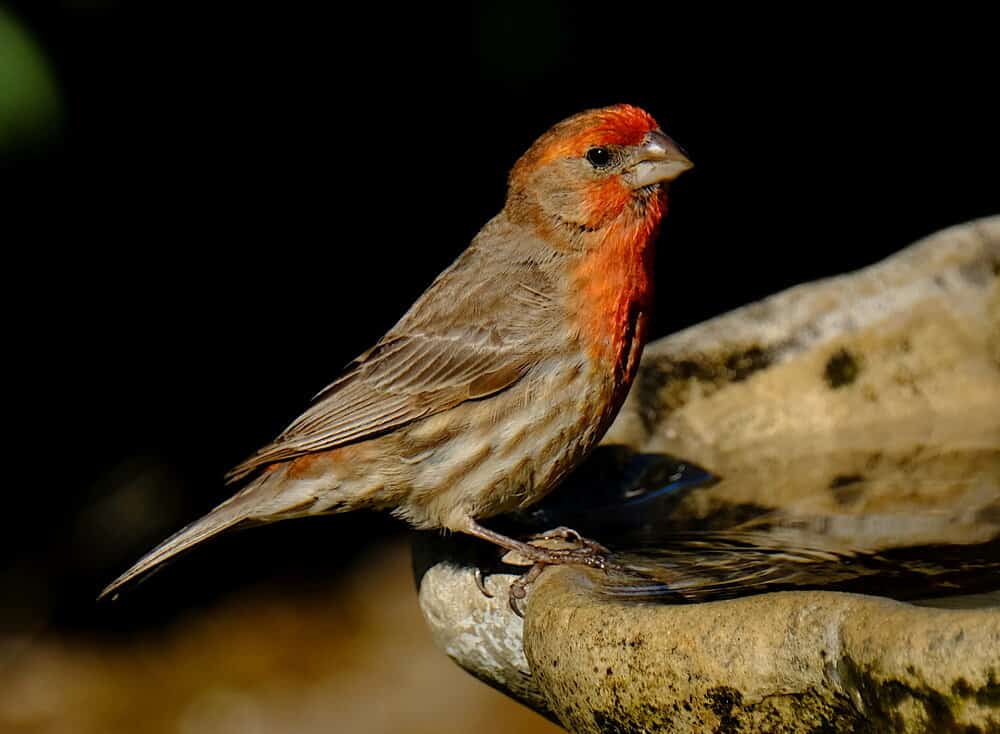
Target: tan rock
788	662
838	364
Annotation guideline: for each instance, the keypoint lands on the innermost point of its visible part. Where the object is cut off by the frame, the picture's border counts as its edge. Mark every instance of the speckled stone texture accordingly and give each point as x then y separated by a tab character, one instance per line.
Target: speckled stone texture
481	634
860	412
783	662
898	344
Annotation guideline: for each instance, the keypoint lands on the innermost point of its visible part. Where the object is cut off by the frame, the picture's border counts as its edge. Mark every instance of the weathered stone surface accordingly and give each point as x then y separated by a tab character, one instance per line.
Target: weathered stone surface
479	633
789	662
852	427
876	356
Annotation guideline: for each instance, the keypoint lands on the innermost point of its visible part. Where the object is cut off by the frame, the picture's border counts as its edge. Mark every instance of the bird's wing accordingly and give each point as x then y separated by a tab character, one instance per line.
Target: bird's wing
427	364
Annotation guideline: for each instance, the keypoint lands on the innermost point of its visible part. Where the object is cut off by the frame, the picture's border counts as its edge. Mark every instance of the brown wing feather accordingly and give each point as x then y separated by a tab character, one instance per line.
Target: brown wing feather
426	375
450	347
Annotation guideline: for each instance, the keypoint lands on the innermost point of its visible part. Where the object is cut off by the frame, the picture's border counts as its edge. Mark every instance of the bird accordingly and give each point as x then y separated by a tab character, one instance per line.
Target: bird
503	375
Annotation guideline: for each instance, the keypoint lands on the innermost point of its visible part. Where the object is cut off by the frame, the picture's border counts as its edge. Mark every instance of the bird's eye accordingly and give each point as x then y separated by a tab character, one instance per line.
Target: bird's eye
598	157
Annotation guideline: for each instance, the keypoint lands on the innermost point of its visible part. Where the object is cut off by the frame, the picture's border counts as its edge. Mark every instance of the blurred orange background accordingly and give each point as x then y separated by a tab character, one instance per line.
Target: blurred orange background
355	658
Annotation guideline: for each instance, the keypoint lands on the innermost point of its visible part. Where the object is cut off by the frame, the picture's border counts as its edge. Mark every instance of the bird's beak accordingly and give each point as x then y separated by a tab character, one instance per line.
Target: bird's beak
657	159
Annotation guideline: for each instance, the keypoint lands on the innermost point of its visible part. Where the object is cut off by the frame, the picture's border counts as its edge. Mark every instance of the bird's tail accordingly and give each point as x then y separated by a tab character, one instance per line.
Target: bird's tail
237	509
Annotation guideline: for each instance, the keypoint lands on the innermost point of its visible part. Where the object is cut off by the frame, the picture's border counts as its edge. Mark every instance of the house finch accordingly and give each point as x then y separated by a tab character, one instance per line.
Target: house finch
504	374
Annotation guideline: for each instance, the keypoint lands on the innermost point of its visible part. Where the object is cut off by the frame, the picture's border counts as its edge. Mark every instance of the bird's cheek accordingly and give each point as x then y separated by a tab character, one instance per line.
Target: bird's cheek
605	200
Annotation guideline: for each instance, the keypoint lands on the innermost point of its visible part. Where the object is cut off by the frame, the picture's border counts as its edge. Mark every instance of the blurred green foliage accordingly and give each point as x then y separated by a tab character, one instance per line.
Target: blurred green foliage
30	104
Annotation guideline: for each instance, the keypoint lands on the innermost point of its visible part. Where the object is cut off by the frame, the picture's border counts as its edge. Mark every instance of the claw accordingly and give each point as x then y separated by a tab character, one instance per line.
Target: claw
519	587
513	599
481	583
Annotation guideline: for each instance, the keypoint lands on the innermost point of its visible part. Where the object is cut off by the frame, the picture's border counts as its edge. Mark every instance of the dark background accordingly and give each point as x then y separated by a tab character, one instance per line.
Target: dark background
234	201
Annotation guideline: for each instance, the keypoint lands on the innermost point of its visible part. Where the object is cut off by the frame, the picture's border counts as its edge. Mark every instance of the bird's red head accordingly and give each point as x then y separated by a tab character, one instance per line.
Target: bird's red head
620	125
591	169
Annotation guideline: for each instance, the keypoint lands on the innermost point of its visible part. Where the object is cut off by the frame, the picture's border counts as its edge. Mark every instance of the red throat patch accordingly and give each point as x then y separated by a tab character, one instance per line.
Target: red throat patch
614	290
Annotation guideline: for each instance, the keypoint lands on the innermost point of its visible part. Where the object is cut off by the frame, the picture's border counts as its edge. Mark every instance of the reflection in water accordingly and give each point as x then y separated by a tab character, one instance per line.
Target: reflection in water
909	524
719	565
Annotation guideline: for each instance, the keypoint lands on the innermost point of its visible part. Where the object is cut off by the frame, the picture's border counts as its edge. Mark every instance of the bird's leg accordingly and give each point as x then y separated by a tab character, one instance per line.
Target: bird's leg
588	553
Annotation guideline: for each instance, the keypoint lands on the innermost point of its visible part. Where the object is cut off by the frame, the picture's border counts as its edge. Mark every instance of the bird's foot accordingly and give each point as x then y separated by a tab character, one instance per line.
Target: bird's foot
589	554
582	552
586	553
572	536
